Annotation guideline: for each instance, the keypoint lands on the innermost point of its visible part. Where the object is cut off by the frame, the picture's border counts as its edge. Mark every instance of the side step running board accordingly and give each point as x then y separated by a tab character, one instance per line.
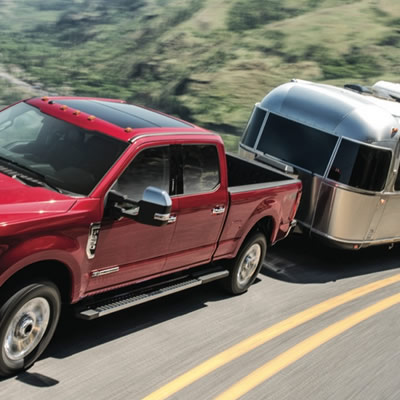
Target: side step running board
127	300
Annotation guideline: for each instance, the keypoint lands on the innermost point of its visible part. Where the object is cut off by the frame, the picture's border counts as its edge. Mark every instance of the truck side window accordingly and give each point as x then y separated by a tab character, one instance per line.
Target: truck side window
149	168
200	167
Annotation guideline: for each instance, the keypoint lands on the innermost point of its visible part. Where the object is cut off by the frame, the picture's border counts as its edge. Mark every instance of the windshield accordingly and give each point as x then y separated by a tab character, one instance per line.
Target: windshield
64	155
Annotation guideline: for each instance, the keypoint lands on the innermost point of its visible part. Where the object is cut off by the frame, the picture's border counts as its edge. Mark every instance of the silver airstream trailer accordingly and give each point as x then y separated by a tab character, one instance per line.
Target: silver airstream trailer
344	146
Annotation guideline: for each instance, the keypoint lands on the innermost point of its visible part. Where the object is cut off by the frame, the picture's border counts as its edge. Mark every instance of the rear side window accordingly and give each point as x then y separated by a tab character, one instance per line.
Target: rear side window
253	127
200	168
360	166
298	144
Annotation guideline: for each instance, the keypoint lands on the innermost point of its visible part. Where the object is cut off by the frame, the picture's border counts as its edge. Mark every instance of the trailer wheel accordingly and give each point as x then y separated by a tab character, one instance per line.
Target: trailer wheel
28	320
247	264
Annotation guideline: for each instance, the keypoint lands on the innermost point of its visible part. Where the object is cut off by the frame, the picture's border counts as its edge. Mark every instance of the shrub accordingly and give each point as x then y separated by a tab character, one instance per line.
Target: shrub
250	14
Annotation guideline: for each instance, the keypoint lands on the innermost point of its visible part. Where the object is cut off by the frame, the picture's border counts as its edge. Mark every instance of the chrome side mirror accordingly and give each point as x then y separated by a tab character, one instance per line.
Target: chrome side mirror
155	207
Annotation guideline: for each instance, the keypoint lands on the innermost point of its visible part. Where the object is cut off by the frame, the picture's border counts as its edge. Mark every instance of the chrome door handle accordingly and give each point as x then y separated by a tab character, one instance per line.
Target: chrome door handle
218	210
172	219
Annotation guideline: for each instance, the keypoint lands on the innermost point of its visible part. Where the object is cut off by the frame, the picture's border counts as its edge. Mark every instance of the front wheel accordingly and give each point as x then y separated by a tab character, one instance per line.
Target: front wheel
247	264
28	320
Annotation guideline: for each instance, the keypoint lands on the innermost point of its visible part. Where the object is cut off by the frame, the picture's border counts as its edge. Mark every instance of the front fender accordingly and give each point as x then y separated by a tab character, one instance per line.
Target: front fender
50	247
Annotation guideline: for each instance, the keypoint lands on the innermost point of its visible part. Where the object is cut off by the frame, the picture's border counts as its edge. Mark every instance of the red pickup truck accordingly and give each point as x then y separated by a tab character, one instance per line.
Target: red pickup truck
105	205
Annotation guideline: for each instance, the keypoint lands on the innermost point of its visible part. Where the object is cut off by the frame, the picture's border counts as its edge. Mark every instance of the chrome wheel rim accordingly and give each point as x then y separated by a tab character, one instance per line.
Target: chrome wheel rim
249	264
26	329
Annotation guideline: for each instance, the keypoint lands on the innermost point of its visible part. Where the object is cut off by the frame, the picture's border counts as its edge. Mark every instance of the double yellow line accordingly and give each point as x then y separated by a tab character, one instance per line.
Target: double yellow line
288	357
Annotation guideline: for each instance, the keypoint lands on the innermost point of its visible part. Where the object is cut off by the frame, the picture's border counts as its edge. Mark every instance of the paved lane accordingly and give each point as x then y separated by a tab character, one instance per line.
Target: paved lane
133	353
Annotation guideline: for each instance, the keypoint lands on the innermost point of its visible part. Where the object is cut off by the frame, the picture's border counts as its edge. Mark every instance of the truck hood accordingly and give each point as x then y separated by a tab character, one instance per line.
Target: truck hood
20	202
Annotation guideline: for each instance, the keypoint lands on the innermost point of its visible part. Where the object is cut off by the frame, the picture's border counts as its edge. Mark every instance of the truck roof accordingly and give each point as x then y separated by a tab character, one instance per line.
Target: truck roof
359	115
113	117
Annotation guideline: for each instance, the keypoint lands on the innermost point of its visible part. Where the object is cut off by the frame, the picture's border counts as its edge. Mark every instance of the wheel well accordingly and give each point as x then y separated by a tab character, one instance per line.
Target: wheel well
51	270
265	226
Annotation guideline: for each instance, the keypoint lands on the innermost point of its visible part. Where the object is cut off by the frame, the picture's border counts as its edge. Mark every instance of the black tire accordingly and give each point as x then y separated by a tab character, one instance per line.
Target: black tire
28	320
247	264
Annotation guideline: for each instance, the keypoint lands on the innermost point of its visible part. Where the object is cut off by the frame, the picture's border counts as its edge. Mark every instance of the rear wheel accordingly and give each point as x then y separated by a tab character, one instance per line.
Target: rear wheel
247	264
28	321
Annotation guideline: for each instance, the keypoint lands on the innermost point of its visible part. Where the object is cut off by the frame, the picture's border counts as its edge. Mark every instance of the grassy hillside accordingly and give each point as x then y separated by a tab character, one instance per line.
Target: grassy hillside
207	61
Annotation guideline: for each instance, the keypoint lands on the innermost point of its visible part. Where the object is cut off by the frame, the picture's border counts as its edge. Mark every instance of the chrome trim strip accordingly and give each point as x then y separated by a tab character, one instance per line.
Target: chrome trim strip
106	271
260	132
333	156
161	217
132	140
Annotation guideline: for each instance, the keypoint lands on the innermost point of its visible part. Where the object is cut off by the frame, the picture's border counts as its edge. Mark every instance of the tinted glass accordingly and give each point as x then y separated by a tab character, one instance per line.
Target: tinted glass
297	144
66	156
360	166
253	127
397	183
149	168
200	168
124	115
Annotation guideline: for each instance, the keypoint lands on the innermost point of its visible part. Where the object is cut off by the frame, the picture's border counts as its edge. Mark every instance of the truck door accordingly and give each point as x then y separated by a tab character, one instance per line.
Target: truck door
128	250
199	207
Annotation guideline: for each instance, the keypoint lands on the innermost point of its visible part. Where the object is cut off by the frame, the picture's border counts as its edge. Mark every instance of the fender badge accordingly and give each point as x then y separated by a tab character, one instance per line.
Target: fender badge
94	231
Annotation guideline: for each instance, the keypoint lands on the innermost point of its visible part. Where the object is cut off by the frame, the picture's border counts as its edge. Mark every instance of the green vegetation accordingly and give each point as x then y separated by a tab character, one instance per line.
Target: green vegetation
250	14
207	61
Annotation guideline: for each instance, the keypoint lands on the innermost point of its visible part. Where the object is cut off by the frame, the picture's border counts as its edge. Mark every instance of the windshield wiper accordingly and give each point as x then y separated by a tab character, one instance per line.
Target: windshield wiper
37	177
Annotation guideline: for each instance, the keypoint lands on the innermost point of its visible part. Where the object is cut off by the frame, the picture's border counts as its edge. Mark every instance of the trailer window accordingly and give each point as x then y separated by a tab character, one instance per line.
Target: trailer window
360	166
253	127
298	144
397	183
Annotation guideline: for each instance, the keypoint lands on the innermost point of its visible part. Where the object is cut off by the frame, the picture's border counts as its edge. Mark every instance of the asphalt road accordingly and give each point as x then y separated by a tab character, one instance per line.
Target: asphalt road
307	341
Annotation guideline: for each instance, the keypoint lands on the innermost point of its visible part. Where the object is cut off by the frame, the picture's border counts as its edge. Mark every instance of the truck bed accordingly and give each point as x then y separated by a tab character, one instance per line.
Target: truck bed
254	188
244	175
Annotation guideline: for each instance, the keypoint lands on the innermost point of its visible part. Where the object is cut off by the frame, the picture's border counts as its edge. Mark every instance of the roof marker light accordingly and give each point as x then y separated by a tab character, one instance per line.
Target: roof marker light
76	112
91	118
45	98
128	129
64	107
